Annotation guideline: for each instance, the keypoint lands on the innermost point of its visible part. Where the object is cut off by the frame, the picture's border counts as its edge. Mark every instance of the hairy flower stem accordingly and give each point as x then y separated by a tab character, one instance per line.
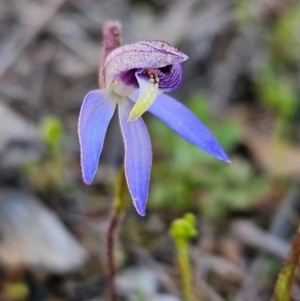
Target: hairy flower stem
120	202
111	40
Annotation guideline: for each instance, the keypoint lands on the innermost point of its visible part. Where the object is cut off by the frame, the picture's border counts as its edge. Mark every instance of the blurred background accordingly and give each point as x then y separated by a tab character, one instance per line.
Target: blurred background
242	80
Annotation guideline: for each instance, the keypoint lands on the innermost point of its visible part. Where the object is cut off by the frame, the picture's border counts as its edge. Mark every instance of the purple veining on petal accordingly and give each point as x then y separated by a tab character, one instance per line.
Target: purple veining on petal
185	123
147	54
170	77
138	156
95	114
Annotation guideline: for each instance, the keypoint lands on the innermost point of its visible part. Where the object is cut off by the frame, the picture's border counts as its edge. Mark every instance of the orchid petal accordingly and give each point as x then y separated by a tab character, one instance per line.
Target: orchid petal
95	114
183	121
148	93
138	156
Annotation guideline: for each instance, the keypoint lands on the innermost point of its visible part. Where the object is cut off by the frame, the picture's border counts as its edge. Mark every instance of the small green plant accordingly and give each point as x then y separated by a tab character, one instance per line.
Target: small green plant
47	173
52	133
182	231
276	90
284	41
277	87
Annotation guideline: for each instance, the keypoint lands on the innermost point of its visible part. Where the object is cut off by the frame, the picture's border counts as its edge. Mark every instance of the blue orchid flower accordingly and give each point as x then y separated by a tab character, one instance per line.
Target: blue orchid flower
133	79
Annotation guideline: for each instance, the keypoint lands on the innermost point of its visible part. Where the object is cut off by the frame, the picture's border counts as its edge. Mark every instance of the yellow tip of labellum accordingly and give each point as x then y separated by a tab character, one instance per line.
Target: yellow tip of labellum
148	93
137	111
